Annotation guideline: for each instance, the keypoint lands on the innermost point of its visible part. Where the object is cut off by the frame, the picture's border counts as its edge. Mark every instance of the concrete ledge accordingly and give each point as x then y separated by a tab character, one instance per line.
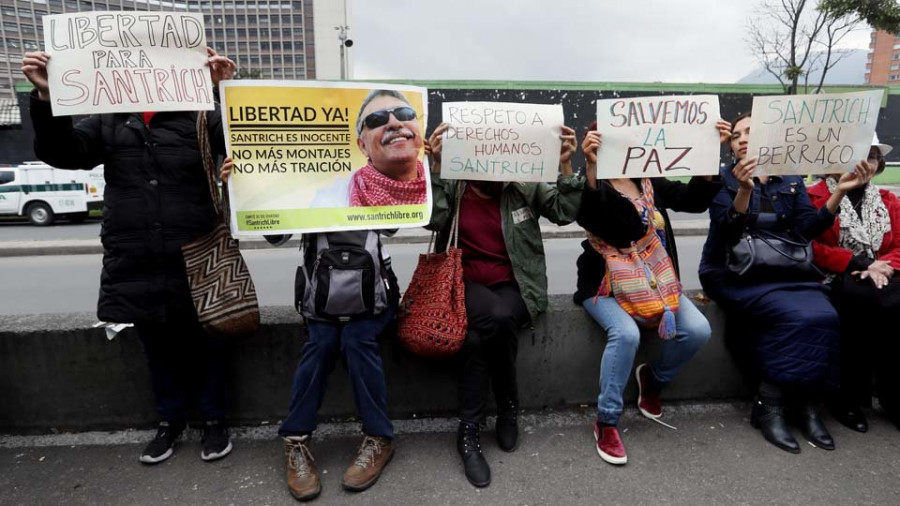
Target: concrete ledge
59	374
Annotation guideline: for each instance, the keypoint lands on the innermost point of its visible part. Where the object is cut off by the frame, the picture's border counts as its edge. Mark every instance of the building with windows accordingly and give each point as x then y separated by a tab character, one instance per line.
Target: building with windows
268	39
883	65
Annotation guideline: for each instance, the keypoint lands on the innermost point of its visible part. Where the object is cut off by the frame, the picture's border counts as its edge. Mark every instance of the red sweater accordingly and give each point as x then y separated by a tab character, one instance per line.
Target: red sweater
484	257
828	255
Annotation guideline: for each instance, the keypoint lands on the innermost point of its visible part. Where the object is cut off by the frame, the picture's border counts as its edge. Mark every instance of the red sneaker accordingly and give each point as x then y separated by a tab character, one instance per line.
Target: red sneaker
609	444
648	393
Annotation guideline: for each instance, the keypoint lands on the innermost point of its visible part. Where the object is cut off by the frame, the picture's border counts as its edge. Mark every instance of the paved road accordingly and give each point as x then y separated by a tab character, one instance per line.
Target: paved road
714	458
69	283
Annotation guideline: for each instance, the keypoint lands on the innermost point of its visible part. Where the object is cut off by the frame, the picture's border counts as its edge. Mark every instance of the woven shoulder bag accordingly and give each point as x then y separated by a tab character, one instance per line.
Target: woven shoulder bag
432	320
642	277
221	288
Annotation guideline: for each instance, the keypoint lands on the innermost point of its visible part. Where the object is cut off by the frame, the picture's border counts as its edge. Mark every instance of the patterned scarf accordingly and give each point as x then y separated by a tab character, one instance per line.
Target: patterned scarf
862	236
368	187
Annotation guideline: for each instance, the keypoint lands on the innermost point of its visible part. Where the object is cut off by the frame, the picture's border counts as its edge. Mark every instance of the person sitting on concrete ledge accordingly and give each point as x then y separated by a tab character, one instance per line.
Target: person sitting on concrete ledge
862	253
617	214
157	199
340	323
505	285
789	322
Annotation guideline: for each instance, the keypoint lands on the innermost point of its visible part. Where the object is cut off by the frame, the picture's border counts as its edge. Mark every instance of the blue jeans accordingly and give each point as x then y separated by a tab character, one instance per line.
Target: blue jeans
623	337
357	342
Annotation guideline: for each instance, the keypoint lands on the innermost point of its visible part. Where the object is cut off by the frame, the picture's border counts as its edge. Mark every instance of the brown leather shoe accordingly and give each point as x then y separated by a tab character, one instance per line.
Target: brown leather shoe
374	454
302	476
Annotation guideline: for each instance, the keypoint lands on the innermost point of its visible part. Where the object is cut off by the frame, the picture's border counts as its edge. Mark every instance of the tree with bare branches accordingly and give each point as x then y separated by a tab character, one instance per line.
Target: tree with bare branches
793	39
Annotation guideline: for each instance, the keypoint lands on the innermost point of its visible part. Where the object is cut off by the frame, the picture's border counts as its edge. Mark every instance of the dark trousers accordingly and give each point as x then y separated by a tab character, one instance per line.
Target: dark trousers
868	346
185	363
488	355
357	343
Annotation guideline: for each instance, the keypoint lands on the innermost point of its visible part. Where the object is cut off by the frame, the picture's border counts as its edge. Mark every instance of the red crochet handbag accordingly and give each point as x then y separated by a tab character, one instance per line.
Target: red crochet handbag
432	320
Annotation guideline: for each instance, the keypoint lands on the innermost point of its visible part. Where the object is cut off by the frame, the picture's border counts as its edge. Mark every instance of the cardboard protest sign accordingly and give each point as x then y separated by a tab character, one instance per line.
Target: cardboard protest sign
300	164
812	134
105	62
495	141
658	136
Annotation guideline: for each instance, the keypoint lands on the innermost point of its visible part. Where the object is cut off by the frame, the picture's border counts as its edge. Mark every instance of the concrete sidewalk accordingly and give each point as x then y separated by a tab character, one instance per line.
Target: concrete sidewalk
403	236
714	457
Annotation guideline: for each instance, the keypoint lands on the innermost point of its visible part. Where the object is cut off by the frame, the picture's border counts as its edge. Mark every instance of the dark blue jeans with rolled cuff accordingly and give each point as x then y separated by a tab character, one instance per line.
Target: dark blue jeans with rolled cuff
357	343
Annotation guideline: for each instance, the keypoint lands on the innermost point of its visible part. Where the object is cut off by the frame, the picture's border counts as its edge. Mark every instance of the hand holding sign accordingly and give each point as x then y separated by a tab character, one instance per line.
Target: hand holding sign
858	177
591	143
34	66
220	67
567	149
433	147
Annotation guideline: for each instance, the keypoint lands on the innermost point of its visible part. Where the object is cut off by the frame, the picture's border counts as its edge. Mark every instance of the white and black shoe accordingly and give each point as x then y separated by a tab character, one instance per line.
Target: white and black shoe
215	441
163	444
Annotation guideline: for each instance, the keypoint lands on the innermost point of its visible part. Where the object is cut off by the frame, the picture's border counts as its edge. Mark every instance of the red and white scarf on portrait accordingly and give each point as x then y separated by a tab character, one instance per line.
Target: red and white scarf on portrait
368	187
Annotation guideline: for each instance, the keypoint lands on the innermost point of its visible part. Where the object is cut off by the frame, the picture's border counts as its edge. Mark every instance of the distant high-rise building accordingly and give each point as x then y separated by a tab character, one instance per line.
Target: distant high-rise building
883	66
268	39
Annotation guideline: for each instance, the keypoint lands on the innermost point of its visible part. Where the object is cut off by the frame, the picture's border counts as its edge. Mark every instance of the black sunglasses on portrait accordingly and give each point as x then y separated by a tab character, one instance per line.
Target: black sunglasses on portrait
382	116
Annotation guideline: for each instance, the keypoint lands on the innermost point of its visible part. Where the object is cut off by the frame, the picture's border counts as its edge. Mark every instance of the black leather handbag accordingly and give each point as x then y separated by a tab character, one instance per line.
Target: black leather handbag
764	254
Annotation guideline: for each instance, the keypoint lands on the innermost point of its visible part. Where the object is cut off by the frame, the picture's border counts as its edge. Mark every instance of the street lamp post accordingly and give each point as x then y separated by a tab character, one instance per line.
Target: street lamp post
345	43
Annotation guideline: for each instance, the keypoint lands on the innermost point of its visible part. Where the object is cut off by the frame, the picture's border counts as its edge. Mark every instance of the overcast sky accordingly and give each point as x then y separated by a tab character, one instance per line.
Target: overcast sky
556	40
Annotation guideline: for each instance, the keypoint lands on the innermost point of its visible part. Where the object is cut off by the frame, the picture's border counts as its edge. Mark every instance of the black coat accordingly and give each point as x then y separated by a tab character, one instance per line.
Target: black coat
156	199
610	216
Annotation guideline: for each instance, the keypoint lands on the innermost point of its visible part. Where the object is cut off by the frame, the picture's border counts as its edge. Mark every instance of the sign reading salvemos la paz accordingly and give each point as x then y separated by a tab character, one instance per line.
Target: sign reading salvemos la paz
495	141
108	62
812	134
319	156
658	136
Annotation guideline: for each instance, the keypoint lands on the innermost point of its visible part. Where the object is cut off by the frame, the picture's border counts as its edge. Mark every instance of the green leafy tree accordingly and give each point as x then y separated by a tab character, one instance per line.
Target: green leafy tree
879	14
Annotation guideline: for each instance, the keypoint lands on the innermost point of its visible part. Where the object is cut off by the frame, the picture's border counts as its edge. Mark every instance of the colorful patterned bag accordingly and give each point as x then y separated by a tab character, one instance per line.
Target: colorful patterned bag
432	320
221	288
642	278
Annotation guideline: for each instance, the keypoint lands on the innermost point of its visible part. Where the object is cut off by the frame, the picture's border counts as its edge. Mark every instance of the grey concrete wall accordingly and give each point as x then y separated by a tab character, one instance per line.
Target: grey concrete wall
59	374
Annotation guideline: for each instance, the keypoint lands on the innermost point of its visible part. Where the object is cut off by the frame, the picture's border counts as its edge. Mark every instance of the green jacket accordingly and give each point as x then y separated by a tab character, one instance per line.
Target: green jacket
520	206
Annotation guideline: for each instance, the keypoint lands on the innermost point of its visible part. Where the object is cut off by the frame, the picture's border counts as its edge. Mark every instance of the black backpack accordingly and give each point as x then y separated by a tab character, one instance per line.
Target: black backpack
343	276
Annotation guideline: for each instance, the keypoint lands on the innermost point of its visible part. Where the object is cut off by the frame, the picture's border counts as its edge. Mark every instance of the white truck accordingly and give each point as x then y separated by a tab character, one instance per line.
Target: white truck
42	193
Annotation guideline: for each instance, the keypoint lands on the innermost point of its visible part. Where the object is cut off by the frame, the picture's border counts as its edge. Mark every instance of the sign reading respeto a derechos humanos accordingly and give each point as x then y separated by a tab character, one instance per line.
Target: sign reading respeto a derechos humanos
107	62
812	134
298	166
658	136
495	141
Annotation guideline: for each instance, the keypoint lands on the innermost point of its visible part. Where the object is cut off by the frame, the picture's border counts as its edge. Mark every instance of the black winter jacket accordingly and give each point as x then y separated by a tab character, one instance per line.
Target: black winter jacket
156	199
609	215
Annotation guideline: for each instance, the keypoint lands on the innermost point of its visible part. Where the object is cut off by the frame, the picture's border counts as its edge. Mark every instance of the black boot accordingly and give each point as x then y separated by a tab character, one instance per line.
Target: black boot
468	444
766	415
812	427
507	424
849	415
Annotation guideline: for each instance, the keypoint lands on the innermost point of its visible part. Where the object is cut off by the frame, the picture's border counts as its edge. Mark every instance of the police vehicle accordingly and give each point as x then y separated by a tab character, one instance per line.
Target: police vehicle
43	194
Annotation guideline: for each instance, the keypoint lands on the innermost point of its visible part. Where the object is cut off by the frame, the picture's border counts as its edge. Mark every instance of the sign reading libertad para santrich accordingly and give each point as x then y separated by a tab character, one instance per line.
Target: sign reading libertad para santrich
658	136
495	141
812	134
103	62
